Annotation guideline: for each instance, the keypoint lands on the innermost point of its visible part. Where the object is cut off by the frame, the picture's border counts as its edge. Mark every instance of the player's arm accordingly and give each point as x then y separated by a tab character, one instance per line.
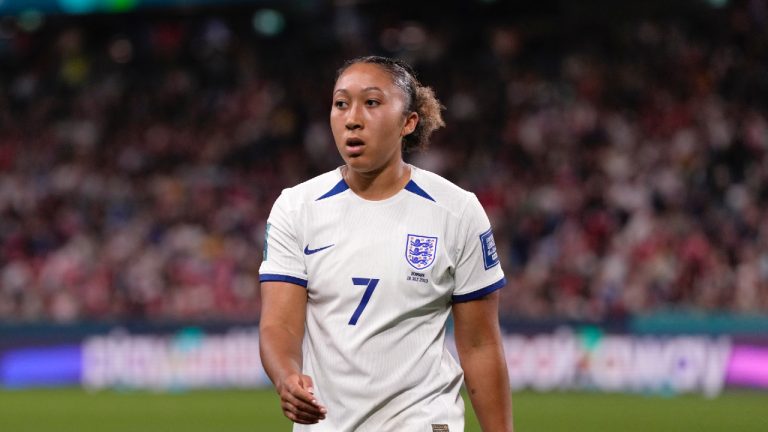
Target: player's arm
478	341
281	332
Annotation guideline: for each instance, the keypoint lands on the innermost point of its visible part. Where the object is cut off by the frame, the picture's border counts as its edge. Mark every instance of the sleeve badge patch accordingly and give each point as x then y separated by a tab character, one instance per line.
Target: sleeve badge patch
490	257
266	240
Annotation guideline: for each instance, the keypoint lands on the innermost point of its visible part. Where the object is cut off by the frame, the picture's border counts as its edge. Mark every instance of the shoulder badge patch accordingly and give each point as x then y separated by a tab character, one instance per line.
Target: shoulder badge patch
490	257
420	251
266	240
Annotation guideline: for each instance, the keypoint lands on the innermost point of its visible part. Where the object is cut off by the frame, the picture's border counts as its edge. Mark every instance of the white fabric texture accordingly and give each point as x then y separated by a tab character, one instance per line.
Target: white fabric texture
381	277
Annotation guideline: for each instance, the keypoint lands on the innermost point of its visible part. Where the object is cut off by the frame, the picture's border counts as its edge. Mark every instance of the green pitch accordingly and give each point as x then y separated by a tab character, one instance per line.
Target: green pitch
258	411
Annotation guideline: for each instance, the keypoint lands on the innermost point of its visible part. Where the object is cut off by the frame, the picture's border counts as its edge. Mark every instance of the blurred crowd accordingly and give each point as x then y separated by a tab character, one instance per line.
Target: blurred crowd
623	161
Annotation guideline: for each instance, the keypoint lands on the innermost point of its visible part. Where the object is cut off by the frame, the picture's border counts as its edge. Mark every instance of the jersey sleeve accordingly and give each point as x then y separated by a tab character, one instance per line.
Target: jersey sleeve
478	270
282	258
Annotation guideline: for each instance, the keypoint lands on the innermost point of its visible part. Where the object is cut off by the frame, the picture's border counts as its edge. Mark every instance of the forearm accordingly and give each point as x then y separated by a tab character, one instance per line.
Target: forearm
281	353
487	384
281	333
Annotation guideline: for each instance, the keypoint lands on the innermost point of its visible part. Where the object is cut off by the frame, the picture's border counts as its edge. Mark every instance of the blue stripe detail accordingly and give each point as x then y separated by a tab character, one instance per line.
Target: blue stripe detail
413	187
268	277
474	295
340	187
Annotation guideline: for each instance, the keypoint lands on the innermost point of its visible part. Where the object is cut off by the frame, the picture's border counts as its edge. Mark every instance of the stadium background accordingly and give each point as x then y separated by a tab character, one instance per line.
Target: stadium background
619	149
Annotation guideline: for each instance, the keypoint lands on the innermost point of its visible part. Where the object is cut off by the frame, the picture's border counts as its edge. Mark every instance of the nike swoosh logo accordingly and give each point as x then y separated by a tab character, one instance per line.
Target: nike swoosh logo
308	251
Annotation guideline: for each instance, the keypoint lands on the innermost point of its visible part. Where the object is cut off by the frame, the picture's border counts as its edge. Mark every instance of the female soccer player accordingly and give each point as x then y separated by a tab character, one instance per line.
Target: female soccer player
362	266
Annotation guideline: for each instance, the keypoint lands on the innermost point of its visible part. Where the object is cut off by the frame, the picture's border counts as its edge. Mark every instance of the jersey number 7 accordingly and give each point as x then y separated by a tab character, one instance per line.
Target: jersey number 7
370	285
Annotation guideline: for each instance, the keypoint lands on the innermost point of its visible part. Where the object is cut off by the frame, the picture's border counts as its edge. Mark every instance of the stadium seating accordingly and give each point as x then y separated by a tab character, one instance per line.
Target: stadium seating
624	166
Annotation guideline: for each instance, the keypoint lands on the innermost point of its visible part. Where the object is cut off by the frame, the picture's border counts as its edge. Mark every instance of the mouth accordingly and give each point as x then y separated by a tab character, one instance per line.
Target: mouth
354	146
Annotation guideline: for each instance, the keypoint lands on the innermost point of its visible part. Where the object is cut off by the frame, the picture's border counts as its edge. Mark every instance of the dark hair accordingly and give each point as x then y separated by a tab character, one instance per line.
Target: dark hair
420	99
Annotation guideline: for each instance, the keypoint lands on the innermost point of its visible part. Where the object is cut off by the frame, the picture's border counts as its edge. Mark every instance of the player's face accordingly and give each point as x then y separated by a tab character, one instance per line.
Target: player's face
368	119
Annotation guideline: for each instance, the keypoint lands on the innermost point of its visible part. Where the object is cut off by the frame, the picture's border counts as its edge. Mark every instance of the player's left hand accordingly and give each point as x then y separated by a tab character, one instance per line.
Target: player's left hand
298	400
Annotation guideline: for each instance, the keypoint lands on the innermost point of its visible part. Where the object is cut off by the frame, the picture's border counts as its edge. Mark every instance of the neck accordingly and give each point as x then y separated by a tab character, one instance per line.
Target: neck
380	184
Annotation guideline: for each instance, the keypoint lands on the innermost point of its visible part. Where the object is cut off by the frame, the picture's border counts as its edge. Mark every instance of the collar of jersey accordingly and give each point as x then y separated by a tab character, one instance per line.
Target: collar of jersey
411	186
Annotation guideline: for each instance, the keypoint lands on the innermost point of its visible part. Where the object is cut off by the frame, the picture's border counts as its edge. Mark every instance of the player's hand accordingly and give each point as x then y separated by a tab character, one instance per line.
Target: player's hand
298	400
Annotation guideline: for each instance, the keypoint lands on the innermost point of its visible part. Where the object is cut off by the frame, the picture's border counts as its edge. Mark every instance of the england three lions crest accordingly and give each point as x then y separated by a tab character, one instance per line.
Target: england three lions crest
420	251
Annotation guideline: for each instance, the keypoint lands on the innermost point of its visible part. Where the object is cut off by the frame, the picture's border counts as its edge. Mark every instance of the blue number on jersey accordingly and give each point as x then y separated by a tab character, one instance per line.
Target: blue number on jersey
370	285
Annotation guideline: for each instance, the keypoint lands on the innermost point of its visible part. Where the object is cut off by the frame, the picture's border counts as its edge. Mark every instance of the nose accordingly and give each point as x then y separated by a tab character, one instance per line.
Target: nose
354	118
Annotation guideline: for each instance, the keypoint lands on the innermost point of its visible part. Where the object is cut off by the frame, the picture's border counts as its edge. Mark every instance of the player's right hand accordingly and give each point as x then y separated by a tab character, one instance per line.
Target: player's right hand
298	400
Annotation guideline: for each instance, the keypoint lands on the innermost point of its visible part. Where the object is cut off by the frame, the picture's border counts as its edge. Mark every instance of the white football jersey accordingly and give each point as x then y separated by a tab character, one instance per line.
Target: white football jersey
381	277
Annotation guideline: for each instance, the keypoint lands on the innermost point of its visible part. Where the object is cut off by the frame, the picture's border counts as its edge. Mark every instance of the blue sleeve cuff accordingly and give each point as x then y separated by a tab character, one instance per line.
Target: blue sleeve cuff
268	277
482	292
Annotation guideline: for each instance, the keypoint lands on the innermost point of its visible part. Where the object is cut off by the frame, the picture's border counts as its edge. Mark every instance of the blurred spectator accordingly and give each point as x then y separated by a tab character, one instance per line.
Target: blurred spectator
624	165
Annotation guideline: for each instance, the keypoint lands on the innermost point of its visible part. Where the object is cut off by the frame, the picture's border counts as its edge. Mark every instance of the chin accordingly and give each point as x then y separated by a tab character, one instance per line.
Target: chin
362	165
358	164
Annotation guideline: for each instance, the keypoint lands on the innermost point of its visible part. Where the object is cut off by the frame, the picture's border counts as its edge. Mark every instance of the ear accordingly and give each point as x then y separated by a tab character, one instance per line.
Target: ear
411	121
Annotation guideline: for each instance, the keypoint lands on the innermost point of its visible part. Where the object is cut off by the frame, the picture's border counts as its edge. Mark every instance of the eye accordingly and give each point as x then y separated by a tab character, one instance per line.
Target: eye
340	104
372	102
